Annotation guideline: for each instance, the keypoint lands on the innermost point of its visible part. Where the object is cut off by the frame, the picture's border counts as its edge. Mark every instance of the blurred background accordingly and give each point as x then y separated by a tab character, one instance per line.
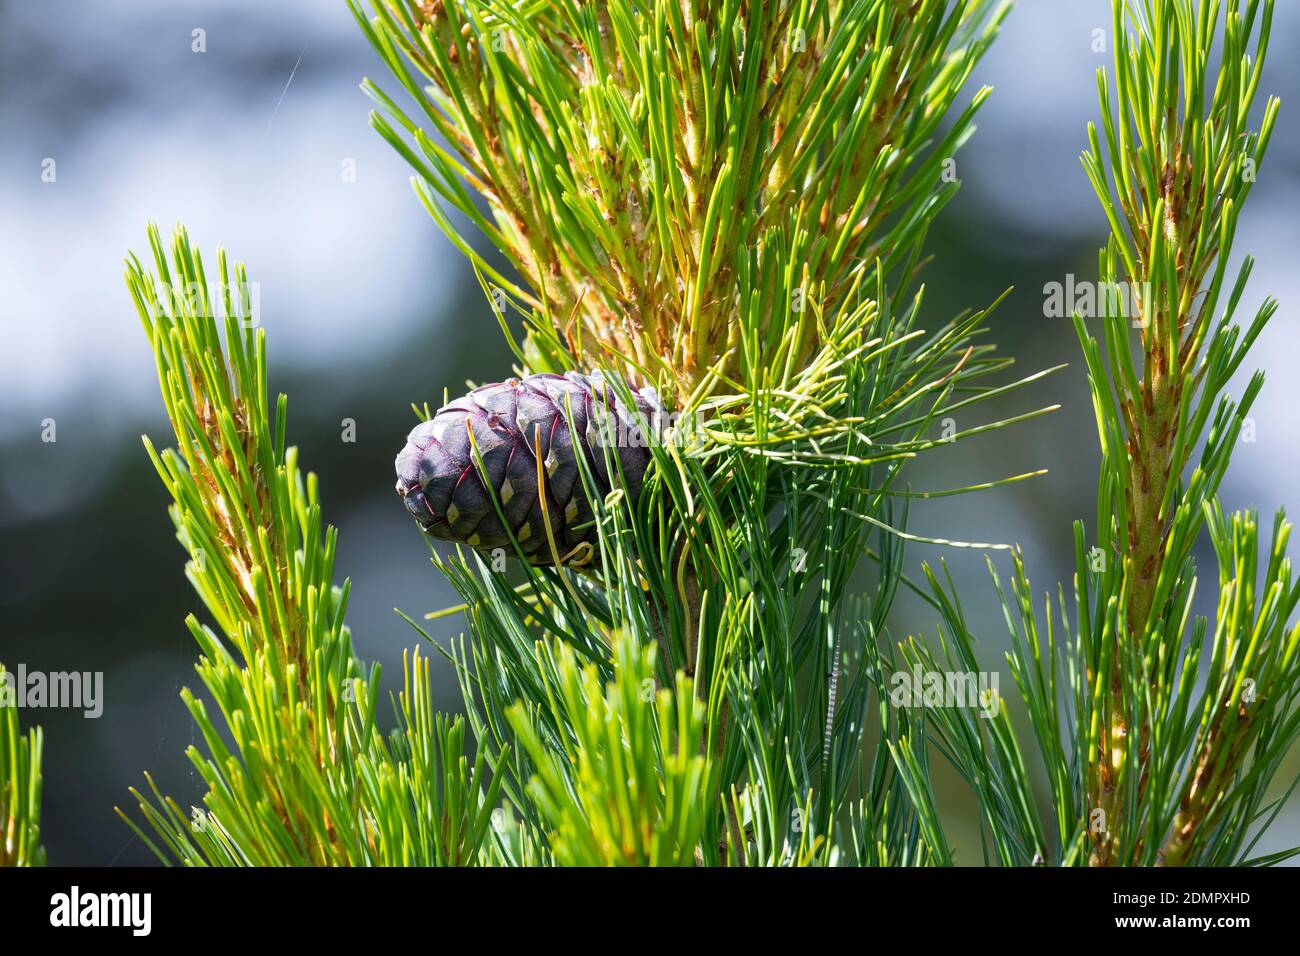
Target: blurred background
253	132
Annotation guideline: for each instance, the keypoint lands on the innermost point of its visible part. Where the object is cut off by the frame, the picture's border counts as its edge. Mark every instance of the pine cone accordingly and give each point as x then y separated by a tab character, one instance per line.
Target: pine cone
445	491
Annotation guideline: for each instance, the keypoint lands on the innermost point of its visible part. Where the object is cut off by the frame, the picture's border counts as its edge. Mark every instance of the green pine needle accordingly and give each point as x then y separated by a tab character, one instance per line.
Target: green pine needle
20	786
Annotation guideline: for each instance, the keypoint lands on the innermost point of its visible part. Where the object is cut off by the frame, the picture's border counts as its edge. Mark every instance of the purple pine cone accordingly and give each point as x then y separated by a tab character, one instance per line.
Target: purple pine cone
445	491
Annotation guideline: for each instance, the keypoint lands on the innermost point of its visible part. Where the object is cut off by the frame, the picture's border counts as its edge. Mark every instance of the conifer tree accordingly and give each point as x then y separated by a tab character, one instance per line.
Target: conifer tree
677	525
713	217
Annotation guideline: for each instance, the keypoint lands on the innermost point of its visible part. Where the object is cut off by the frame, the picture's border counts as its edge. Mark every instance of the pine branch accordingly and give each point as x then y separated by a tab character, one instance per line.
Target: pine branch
310	778
1177	179
772	549
1172	735
641	788
733	213
725	202
666	180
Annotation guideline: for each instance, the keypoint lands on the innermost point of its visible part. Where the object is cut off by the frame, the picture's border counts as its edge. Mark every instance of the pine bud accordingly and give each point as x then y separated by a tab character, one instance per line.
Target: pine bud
512	423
